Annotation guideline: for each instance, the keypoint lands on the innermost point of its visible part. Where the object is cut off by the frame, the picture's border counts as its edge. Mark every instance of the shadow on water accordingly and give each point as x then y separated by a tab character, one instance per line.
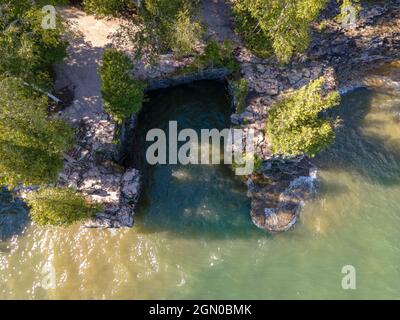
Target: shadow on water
13	216
192	200
356	150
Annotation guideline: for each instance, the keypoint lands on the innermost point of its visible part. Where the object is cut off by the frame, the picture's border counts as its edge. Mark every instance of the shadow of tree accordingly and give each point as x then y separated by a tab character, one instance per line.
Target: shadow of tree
355	150
13	215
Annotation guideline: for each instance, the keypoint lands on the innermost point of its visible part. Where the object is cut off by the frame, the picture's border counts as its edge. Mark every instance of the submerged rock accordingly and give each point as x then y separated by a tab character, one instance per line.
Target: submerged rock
13	215
279	192
130	186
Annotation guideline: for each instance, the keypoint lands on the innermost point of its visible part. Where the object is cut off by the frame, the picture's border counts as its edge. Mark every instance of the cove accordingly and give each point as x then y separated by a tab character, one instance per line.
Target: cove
191	198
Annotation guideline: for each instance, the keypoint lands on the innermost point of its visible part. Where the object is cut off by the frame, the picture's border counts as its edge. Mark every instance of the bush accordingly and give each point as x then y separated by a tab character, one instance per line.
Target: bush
107	7
59	207
185	34
31	145
294	124
123	96
215	55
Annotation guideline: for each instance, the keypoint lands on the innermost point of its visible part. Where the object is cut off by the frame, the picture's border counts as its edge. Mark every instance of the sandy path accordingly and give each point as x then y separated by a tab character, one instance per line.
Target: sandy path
217	16
79	70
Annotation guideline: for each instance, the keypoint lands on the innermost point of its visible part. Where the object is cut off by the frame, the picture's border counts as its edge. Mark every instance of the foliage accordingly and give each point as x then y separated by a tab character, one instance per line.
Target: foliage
323	25
215	55
27	50
107	7
160	27
31	145
294	124
240	89
185	34
276	26
123	96
59	207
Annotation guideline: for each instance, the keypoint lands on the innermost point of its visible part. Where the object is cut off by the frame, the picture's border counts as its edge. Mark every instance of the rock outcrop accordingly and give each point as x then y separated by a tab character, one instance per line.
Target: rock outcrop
91	169
278	191
343	57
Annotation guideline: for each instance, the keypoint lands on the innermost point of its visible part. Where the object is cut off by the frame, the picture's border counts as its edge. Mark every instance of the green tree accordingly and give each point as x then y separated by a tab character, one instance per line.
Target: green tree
27	50
31	144
294	125
276	26
60	207
123	95
162	26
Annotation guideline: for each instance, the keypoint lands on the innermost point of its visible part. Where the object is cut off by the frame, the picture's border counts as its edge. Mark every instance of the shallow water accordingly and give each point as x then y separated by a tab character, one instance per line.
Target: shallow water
194	239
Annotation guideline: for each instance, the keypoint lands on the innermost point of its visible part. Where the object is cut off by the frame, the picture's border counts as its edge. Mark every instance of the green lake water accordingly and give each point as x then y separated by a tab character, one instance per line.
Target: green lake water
193	236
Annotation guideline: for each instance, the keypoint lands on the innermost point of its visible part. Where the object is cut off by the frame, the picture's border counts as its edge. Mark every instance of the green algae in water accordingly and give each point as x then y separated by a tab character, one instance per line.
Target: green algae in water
354	220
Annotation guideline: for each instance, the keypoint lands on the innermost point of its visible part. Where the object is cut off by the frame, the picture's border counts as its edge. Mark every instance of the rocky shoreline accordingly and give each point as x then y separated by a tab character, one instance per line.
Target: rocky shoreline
345	58
279	188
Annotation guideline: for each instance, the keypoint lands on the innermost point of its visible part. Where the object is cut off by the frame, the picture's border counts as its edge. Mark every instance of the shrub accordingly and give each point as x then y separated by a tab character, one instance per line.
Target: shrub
123	96
294	124
240	89
31	145
185	34
59	207
107	7
215	55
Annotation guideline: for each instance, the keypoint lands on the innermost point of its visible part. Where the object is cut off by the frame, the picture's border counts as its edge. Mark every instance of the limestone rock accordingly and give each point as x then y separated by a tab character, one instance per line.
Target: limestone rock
130	186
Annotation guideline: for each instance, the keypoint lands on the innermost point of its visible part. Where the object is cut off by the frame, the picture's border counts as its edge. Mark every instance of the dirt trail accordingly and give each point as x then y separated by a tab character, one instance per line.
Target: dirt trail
217	16
79	70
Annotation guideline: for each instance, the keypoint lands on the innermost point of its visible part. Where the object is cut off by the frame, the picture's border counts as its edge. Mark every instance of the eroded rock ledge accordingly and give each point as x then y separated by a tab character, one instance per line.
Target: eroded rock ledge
285	185
91	169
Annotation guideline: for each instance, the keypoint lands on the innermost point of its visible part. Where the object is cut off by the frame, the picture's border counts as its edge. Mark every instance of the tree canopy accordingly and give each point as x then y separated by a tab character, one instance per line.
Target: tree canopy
276	26
162	26
60	207
27	50
123	96
294	124
31	144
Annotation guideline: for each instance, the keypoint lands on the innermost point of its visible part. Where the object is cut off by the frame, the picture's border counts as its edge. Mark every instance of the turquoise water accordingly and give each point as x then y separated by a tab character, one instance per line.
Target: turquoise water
193	236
